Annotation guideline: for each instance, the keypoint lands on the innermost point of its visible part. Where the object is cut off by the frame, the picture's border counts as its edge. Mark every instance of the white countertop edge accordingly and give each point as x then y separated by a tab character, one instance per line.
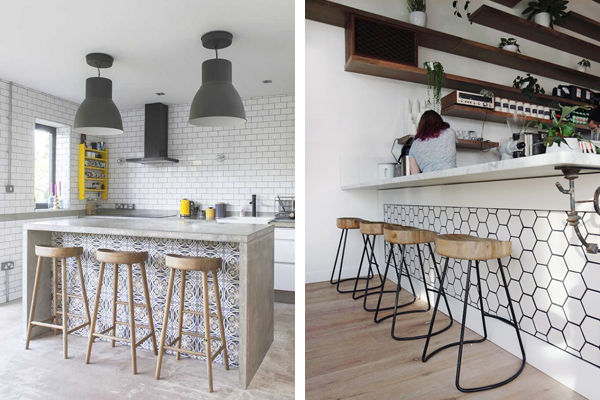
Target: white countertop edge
518	168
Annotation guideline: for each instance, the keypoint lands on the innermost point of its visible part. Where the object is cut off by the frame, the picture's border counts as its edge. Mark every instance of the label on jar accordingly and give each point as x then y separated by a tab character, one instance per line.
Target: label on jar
513	107
578	93
528	109
534	111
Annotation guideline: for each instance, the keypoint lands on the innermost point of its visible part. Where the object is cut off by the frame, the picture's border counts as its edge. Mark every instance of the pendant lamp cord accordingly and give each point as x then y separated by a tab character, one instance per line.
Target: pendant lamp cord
98	66
217	52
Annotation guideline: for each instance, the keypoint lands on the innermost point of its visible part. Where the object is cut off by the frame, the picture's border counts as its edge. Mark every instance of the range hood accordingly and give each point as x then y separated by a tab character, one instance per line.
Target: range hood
155	136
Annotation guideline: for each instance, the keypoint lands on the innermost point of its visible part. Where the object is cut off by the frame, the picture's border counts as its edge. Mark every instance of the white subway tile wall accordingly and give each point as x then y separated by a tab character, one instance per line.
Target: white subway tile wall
258	159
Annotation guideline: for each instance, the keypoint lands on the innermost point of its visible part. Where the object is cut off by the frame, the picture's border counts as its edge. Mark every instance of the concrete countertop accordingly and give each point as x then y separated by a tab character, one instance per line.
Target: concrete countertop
161	228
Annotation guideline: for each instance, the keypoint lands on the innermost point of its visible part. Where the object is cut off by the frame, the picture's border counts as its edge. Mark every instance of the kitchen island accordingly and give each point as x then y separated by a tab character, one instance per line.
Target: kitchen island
245	280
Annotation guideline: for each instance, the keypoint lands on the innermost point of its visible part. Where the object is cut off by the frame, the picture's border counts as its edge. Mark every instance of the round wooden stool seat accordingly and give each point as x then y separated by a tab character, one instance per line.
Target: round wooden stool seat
467	247
399	234
348	223
42	250
192	263
121	257
371	228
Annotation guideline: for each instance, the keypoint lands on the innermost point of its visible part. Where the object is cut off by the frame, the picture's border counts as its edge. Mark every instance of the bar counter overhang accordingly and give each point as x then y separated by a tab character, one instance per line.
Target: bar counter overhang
245	280
554	282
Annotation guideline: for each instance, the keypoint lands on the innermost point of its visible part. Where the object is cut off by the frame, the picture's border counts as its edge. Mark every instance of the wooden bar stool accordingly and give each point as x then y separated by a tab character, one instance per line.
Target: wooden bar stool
345	224
369	230
204	265
404	236
55	253
128	258
472	248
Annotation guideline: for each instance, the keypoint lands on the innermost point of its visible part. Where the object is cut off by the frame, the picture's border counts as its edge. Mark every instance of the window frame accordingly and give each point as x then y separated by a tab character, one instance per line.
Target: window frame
52	158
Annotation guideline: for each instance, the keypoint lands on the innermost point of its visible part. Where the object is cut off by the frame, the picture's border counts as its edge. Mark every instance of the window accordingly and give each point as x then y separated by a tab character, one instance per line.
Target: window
45	164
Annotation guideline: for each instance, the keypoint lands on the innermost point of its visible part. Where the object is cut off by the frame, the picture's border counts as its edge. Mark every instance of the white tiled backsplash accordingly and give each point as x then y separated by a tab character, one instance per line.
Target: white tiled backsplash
259	159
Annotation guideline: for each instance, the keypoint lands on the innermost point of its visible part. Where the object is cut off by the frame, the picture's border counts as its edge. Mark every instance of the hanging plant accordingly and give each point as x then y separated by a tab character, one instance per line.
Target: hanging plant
528	85
465	8
416	5
508	43
435	77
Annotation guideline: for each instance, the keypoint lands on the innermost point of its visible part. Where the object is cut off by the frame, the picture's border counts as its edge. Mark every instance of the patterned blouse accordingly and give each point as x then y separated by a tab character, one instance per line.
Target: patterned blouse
436	153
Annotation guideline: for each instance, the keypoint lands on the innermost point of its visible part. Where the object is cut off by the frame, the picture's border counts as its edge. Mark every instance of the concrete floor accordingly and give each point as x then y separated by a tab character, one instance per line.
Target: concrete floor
42	373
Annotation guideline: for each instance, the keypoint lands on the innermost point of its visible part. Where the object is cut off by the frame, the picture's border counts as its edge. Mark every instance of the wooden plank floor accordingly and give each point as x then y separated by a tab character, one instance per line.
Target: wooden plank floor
350	356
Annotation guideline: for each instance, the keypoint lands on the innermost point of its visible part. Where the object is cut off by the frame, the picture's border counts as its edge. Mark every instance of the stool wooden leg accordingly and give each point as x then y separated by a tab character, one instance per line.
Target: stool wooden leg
65	311
180	317
163	334
207	330
83	291
114	305
36	287
95	314
220	316
132	319
55	295
148	308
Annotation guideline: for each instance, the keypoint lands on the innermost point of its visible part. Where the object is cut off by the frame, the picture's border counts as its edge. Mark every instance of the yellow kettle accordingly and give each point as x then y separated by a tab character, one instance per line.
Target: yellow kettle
185	208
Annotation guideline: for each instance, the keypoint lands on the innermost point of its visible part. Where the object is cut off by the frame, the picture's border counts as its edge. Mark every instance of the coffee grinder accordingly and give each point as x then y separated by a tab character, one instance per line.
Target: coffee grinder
513	148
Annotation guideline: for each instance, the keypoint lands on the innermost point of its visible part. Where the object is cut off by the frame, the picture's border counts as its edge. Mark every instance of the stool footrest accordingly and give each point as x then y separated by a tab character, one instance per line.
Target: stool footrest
106	330
173	342
70	295
199	335
111	337
136	325
216	353
142	340
77	328
175	349
201	313
71	315
46	325
126	303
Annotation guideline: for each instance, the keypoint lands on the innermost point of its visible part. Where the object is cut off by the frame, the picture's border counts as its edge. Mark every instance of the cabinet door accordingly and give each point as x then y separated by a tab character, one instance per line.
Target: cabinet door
284	276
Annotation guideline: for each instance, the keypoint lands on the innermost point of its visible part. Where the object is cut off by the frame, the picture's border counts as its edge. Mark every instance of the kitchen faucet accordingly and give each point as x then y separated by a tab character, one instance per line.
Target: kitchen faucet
253	202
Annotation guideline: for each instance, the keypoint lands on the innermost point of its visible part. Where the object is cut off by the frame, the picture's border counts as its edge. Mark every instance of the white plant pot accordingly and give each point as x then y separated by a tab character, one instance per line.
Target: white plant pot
418	18
542	18
511	47
571	146
581	68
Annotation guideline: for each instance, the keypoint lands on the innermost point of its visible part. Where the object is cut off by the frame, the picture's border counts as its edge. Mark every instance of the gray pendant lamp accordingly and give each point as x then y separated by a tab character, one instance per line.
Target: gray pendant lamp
98	115
217	103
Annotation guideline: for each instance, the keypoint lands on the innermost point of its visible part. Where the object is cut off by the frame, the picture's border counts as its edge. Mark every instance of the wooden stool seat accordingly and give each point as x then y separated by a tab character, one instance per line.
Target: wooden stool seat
55	253
399	234
42	250
121	257
348	223
204	265
128	258
467	247
193	263
371	228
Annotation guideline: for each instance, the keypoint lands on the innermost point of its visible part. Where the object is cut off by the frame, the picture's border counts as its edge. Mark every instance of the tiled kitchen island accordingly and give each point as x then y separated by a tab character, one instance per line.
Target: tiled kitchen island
245	280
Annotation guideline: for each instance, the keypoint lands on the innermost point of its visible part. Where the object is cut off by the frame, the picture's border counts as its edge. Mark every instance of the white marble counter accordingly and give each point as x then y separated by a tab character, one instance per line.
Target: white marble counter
156	227
519	168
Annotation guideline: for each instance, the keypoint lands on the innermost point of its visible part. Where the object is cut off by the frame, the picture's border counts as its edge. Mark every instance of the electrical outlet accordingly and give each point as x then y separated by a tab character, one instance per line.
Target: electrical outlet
131	206
5	266
10	189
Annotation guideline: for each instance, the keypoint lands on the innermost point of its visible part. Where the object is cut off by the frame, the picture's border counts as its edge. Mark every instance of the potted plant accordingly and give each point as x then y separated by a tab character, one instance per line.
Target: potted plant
509	44
465	8
583	65
435	77
417	10
561	132
528	85
546	12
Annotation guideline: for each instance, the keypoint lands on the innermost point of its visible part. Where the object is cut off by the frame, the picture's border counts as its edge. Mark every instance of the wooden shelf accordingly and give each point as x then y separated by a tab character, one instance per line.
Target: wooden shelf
100	169
95	158
481	114
462	143
517	26
96	151
508	3
582	25
385	69
336	14
95	179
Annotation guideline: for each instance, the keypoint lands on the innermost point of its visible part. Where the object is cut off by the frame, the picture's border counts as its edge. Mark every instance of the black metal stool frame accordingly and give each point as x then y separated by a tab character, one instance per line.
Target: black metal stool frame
440	292
484	314
369	245
343	236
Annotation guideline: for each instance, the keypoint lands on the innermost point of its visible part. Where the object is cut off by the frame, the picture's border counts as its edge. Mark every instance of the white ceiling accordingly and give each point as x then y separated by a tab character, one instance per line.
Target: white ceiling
156	45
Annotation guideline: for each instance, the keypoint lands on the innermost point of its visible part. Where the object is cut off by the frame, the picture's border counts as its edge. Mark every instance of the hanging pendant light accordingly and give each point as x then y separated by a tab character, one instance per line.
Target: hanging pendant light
98	115
217	103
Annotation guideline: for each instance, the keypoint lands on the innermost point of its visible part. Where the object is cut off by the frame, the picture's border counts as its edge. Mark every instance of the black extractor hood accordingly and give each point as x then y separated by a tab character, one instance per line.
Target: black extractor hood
155	136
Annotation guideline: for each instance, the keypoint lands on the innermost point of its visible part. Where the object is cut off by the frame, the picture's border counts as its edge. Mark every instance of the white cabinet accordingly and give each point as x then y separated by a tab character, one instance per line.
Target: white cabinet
284	258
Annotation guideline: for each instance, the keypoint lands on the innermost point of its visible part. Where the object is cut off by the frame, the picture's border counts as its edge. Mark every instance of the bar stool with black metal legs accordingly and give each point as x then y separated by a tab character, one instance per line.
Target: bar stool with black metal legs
370	230
472	248
404	236
345	224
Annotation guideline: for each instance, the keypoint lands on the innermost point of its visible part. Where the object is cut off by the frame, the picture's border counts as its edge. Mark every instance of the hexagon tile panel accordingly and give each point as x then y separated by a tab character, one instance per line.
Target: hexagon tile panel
554	283
158	277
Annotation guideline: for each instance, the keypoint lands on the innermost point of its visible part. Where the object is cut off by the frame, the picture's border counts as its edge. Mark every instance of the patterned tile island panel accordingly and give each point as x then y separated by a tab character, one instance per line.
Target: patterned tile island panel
158	277
553	282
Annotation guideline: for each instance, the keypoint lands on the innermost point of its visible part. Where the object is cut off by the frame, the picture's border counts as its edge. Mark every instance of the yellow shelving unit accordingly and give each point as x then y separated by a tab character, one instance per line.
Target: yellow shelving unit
83	168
